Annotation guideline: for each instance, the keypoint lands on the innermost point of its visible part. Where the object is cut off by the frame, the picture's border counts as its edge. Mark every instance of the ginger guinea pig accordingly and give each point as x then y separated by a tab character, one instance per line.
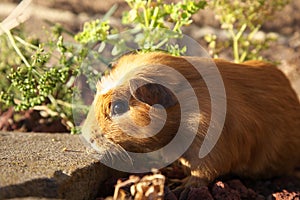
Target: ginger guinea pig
140	106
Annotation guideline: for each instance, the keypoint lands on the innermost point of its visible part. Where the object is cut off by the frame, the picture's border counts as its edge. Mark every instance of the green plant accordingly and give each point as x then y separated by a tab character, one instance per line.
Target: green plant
41	75
242	19
31	82
153	19
157	14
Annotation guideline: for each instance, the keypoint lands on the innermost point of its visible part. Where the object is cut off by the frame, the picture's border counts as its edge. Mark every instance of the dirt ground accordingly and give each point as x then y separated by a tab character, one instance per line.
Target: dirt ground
286	50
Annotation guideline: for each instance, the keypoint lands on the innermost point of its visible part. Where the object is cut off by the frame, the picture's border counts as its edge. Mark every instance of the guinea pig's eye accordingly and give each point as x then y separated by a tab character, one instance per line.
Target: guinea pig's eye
119	107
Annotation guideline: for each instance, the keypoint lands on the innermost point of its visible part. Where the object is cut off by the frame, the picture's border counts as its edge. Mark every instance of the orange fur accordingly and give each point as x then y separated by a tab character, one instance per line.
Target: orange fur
261	135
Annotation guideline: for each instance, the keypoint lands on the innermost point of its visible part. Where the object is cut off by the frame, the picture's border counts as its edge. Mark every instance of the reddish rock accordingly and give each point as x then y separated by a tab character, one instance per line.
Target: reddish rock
285	195
244	192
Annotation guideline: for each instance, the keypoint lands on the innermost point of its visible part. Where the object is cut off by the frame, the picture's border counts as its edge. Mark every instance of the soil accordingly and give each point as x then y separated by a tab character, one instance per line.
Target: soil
286	50
223	188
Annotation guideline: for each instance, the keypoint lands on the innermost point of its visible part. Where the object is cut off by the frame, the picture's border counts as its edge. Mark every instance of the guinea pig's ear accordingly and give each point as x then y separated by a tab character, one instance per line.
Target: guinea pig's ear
152	93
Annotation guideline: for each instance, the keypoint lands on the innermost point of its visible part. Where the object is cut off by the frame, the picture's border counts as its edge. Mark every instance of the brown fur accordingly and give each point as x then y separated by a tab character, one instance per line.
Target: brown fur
261	135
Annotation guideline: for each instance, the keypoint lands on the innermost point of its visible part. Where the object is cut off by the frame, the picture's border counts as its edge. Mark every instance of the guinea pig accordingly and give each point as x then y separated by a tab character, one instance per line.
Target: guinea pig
138	108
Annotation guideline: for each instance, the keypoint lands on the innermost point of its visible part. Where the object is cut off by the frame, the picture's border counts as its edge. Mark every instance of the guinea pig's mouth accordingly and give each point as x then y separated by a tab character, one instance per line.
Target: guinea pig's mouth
100	147
107	151
115	156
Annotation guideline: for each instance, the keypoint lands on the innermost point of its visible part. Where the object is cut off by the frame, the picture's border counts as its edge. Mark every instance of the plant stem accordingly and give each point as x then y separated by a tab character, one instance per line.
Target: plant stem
146	16
241	31
13	43
176	27
236	39
26	43
162	43
243	56
251	35
154	16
